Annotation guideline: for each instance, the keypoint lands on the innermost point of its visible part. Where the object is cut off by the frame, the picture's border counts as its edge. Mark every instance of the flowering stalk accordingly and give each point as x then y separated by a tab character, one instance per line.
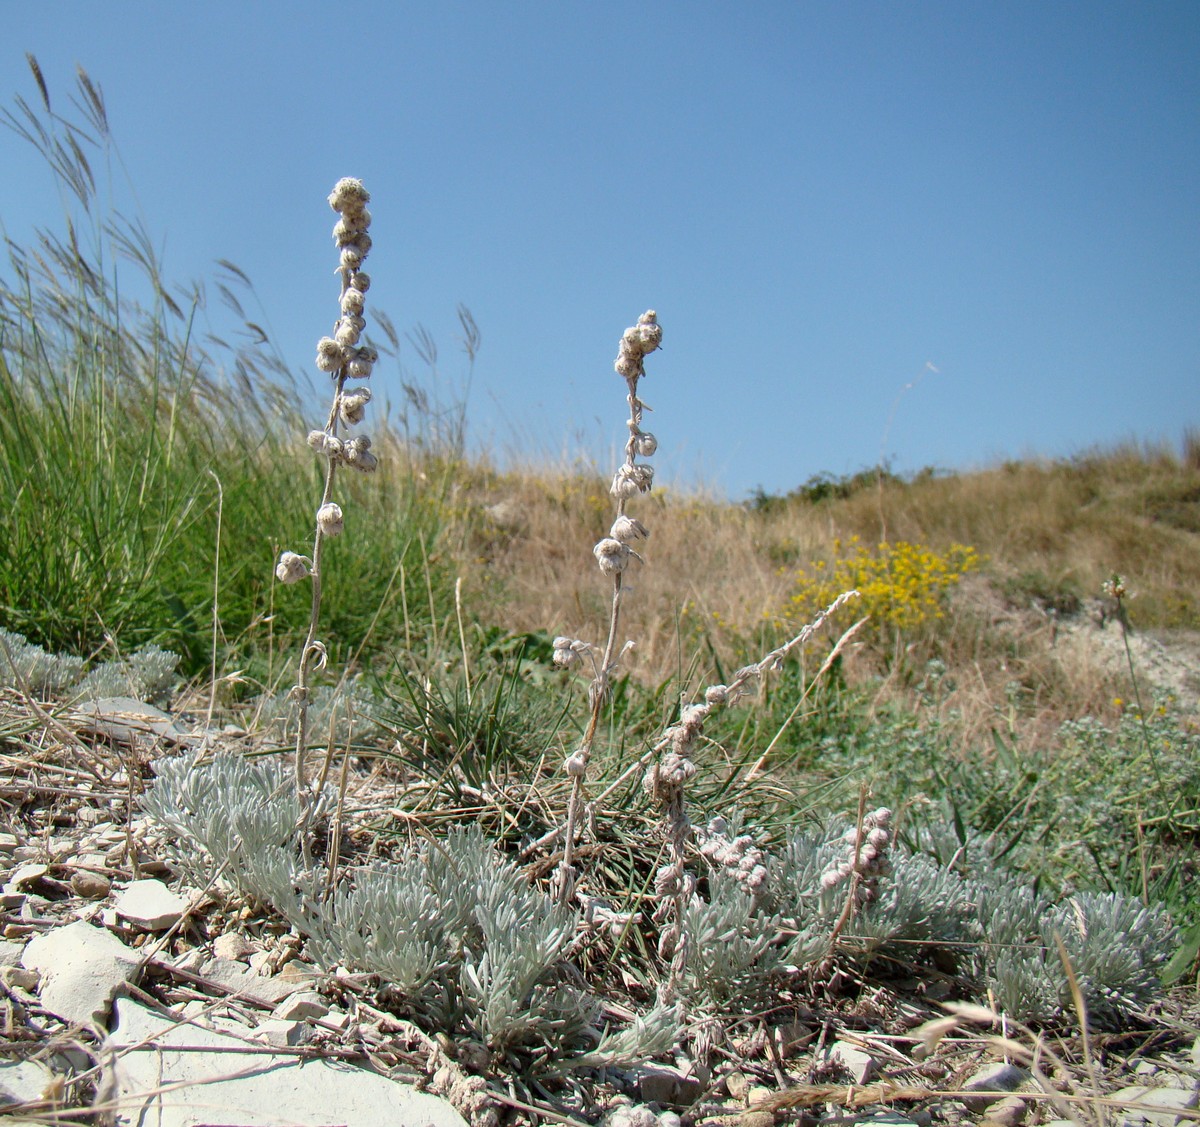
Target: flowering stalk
344	359
613	553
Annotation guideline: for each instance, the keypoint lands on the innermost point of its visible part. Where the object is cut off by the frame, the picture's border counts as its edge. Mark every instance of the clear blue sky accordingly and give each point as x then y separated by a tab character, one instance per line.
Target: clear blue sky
819	199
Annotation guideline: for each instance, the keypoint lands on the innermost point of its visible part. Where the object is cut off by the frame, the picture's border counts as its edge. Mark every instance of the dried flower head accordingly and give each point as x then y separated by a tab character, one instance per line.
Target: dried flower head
645	444
292	568
329	519
349	195
330	355
612	555
352	405
628	530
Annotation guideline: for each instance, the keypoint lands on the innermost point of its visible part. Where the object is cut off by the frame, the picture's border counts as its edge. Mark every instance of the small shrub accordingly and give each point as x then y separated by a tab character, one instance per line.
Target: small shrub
902	586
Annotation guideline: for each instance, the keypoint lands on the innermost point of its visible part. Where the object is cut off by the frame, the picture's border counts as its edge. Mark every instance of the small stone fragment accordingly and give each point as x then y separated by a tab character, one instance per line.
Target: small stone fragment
996	1077
232	945
91	886
283	1034
299	1007
1158	1107
151	905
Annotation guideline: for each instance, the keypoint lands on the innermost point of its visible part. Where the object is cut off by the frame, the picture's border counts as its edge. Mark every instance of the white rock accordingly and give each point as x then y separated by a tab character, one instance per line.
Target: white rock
857	1062
82	968
300	1006
1159	1107
283	1034
260	1090
10	953
23	1081
231	945
151	905
996	1077
269	991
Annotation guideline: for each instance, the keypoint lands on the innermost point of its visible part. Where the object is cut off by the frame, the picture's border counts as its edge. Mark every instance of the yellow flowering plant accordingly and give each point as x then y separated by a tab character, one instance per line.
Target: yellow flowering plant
902	586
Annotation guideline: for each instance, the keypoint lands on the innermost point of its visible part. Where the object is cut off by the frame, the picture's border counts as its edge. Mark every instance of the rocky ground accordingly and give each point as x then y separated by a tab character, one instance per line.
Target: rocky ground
131	997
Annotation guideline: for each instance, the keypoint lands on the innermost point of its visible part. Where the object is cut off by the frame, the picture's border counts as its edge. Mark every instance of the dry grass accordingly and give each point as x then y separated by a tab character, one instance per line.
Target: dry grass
1019	643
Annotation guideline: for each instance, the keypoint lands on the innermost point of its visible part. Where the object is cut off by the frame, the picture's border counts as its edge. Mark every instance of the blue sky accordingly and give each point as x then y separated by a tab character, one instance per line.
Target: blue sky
820	200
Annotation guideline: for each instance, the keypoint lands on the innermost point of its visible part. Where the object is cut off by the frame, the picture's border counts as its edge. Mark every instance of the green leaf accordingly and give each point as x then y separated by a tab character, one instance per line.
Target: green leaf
1184	958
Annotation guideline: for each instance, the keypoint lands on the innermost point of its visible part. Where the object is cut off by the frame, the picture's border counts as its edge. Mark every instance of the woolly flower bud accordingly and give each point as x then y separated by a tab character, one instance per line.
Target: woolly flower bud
330	355
347	332
358	454
627	530
362	361
292	568
325	443
565	654
716	694
878	838
628	364
352	405
349	195
575	765
352	302
363	244
329	519
612	556
649	332
350	259
645	444
631	480
360	281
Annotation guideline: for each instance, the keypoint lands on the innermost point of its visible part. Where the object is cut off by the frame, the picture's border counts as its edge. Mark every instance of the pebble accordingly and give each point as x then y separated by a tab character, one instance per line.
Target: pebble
91	886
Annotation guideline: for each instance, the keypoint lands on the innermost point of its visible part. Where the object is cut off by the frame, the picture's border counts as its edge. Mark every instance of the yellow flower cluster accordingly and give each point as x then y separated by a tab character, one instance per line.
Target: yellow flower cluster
900	585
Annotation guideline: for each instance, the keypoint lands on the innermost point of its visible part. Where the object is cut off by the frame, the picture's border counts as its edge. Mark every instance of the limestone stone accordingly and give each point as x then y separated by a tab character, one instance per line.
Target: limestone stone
82	967
151	905
259	1090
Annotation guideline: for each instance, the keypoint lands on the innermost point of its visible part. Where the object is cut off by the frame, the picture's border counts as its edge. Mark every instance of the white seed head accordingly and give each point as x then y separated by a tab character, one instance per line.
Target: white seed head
360	369
612	556
349	195
649	333
878	838
329	519
352	302
628	365
645	444
716	694
292	568
631	480
360	281
627	530
352	405
363	244
347	332
350	259
575	765
330	355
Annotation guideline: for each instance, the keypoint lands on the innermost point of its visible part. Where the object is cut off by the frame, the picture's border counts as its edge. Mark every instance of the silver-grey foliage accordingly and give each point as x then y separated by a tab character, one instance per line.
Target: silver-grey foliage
456	932
146	674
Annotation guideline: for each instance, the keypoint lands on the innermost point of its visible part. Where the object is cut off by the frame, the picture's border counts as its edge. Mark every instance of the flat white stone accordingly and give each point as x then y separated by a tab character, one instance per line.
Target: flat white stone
269	991
82	967
1160	1107
259	1090
857	1062
151	905
283	1034
23	1081
305	1004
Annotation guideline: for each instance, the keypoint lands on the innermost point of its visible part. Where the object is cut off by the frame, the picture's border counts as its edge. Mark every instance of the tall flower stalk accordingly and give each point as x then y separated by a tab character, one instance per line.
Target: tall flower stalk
613	553
344	359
